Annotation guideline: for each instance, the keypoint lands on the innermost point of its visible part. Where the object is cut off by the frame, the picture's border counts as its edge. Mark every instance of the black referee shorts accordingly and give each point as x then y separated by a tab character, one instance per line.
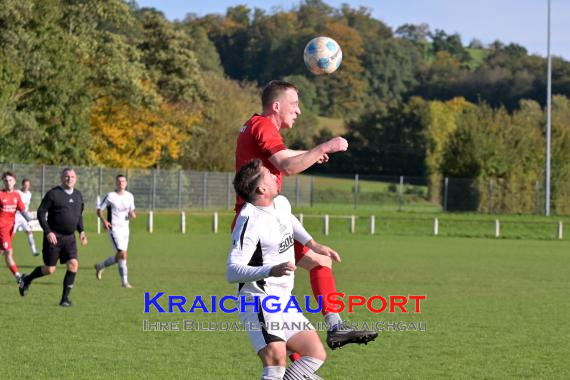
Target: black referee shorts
64	250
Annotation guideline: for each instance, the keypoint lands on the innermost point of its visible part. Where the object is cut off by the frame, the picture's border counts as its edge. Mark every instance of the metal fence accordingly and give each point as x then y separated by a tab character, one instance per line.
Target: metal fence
153	189
169	189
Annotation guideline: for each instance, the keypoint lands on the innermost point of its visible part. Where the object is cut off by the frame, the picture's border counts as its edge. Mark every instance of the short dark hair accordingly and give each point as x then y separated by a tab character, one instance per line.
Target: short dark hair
67	169
8	174
26	180
246	180
273	90
120	176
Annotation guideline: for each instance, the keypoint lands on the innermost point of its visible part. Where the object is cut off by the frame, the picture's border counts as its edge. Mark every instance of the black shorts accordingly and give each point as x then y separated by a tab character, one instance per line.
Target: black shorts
64	250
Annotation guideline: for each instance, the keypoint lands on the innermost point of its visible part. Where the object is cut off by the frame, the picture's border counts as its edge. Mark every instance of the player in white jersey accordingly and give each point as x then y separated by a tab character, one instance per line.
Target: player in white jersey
120	207
261	261
21	223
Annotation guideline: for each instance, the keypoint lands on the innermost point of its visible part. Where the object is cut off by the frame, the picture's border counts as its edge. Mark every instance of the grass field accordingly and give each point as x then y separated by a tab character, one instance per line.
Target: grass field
495	309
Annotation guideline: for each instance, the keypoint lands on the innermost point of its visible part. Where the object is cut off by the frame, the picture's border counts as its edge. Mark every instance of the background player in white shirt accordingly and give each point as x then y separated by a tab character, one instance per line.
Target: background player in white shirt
21	222
262	262
120	207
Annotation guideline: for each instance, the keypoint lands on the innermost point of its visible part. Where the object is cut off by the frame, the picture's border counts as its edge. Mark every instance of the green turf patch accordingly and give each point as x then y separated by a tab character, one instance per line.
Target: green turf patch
494	309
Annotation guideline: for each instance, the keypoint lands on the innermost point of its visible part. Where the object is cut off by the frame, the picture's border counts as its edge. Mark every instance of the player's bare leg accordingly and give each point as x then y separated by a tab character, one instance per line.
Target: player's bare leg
11	264
313	355
274	359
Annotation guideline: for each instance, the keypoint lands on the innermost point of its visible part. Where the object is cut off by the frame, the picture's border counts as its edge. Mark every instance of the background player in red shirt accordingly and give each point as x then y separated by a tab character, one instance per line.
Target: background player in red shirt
259	138
10	202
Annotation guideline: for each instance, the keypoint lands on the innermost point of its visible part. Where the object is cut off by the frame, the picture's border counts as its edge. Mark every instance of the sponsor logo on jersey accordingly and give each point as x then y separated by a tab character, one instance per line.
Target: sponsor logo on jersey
286	243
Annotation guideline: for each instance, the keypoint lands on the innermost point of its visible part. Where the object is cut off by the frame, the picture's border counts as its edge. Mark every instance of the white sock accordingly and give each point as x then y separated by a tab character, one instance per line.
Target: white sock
32	243
123	271
332	320
108	262
302	368
273	373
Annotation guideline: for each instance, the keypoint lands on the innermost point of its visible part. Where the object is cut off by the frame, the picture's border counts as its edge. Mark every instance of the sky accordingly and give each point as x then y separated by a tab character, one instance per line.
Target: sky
520	21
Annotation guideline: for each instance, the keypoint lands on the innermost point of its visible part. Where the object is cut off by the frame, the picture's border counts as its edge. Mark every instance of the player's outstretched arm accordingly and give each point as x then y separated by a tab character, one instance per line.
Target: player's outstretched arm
246	273
290	162
323	250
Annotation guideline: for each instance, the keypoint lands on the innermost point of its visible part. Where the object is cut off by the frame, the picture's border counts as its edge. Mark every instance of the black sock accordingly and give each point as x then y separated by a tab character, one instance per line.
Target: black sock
67	284
36	273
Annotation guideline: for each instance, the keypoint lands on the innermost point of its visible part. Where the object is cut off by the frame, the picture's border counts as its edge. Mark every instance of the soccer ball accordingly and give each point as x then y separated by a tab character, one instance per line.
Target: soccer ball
322	55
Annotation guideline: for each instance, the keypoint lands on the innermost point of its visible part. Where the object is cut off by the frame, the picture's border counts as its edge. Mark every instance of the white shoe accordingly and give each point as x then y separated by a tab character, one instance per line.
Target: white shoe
98	272
127	285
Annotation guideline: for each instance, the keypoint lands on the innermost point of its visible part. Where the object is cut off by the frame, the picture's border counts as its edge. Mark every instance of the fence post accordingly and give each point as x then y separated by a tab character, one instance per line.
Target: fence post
153	190
491	196
98	219
445	188
301	218
401	193
215	223
435	226
150	224
180	189
352	224
326	225
560	230
355	191
205	190
372	224
183	222
497	228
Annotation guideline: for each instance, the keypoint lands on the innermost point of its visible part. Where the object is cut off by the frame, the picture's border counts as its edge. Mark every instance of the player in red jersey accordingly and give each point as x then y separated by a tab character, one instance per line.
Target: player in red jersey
259	138
11	202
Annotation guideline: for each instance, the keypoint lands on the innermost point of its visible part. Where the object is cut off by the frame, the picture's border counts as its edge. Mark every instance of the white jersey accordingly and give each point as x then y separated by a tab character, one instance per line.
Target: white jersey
118	208
26	198
262	238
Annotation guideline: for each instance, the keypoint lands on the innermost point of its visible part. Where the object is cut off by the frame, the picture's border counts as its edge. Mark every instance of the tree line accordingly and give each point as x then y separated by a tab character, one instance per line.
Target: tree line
112	84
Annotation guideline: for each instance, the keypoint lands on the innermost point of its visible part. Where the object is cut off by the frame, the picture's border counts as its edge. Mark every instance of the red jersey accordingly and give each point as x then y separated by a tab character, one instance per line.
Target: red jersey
258	138
9	203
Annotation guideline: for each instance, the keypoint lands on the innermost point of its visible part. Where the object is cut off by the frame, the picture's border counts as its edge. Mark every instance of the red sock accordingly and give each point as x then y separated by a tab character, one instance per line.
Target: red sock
294	356
323	283
13	268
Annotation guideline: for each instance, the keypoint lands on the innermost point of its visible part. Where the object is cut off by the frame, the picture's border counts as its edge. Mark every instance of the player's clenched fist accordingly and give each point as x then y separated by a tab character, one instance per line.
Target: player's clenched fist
336	144
283	269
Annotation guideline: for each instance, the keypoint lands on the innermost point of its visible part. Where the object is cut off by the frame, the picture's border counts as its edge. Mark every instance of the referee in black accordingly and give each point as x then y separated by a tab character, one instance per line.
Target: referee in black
64	208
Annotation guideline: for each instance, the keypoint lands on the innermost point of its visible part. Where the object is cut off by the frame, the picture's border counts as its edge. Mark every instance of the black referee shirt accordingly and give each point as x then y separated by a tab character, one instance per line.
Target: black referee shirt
64	211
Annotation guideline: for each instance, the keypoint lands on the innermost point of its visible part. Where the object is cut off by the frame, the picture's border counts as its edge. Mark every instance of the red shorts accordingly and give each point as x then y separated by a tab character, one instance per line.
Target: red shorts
300	249
6	235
